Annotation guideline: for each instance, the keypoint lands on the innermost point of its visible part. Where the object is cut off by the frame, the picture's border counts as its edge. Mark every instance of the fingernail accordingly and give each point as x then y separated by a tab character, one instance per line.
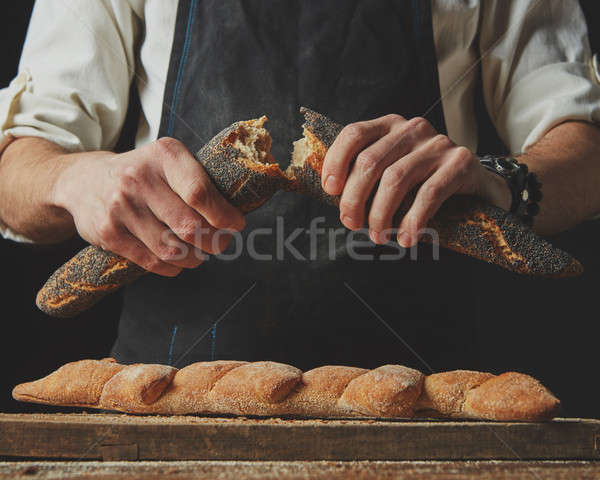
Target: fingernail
346	220
377	237
331	185
404	239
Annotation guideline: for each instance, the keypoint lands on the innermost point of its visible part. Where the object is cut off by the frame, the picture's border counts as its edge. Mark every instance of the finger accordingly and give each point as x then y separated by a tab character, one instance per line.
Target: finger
351	140
444	183
185	222
186	177
158	238
134	250
396	182
370	165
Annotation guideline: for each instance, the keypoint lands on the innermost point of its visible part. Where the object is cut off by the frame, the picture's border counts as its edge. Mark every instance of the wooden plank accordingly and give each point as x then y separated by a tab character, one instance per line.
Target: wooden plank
228	470
112	453
84	436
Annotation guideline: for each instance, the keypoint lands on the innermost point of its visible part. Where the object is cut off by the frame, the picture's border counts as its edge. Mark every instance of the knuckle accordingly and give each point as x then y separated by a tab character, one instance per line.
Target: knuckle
353	132
169	147
432	190
131	176
463	158
347	206
394	118
115	205
419	124
367	162
377	220
198	194
441	141
410	221
168	253
394	175
187	233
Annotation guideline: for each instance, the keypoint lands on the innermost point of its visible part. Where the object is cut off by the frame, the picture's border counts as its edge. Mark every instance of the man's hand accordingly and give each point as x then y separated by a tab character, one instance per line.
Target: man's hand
154	205
388	157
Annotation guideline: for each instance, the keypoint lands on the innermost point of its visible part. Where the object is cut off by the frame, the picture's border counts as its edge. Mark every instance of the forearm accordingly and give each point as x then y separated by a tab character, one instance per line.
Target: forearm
29	168
567	162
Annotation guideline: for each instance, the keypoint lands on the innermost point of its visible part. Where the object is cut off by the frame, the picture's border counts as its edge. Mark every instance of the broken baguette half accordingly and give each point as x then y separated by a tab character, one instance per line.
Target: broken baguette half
238	160
464	223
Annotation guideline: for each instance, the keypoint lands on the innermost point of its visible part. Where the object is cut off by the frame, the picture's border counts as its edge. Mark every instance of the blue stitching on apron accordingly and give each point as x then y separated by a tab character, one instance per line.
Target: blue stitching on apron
417	17
417	24
213	341
171	345
182	62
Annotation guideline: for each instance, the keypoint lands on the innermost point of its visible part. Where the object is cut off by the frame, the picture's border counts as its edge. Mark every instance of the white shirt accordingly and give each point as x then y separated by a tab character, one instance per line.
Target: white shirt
80	57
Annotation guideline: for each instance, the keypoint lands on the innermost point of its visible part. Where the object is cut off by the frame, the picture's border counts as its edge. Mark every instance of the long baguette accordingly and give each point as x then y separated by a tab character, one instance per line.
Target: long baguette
270	388
238	160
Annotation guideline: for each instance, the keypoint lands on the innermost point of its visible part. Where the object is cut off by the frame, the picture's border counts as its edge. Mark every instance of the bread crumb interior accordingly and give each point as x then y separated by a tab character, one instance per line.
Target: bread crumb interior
309	150
254	142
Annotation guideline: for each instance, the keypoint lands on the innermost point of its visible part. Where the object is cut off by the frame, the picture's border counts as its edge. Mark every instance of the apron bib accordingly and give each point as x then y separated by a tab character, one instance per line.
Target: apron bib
351	60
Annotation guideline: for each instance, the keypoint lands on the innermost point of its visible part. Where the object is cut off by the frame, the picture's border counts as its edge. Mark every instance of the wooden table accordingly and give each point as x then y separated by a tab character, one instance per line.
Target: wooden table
205	447
364	470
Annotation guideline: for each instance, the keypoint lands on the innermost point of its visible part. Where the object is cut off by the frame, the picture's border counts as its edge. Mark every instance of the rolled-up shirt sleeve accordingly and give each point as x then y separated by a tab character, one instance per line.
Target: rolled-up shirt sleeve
537	68
73	82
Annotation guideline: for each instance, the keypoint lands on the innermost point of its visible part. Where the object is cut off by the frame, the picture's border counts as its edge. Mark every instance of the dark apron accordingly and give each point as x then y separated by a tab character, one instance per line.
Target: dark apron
352	60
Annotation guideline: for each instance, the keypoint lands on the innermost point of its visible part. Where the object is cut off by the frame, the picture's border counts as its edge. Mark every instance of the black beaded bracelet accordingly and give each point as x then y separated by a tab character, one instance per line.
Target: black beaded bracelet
524	186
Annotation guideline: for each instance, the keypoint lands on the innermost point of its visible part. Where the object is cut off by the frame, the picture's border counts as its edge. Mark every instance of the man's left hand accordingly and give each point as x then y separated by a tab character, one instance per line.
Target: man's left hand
394	155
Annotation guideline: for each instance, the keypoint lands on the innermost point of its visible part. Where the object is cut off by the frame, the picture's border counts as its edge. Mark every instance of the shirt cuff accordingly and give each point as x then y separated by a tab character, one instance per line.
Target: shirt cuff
6	108
545	98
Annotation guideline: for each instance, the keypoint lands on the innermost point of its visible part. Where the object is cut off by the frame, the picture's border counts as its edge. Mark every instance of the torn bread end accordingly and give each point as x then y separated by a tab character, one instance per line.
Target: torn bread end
308	150
253	141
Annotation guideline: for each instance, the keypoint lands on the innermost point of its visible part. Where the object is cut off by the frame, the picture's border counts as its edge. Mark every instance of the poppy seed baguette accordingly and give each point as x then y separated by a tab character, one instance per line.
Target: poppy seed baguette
271	389
239	162
464	223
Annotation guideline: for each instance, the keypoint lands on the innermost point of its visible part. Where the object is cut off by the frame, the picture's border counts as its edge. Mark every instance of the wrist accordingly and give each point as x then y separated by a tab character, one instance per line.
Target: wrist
72	172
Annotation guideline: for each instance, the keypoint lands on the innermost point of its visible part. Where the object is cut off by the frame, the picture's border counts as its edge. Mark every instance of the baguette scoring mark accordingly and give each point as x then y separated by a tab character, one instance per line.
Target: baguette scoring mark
86	287
115	265
494	234
61	301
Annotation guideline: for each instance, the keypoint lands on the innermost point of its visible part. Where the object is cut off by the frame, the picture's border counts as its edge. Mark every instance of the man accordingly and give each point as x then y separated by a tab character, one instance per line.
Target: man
405	78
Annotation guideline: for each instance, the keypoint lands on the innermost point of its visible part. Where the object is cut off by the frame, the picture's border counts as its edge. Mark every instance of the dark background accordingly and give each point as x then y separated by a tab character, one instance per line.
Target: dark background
549	329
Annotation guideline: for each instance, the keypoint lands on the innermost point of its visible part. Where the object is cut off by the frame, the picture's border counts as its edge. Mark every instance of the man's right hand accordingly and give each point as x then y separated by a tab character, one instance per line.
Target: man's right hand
154	205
